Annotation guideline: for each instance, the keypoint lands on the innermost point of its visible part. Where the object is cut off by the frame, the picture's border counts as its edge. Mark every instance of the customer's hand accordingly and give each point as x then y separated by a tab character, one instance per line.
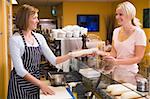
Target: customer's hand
46	89
109	64
110	59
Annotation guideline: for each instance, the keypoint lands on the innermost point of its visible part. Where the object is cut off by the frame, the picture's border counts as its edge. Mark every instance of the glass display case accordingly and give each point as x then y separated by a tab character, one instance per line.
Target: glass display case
98	86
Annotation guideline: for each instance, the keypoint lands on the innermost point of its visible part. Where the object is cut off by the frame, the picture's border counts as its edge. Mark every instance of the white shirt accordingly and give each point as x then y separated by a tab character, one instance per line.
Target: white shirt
17	49
126	48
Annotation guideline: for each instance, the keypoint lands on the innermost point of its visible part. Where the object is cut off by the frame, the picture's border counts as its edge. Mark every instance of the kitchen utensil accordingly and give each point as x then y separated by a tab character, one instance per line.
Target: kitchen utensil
57	79
50	75
142	83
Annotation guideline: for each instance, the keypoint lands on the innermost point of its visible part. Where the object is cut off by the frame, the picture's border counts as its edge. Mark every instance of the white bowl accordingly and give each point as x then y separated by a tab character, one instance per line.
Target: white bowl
61	35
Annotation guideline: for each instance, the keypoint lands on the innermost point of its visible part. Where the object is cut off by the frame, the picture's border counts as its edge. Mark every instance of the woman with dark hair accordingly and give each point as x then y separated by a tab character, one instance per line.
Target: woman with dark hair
26	48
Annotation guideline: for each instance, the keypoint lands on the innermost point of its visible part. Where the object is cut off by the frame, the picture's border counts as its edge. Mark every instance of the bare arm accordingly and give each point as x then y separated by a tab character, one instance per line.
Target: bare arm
32	79
139	53
63	58
113	52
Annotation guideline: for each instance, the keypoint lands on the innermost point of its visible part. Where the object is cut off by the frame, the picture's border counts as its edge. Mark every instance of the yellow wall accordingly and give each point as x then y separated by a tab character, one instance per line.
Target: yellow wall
44	11
71	9
68	10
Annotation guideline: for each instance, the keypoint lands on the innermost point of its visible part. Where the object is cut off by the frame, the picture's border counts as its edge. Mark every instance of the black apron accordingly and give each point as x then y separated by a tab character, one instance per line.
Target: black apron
18	87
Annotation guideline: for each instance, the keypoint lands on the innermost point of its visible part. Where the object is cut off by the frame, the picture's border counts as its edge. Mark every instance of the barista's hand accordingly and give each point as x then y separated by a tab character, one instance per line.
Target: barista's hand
46	90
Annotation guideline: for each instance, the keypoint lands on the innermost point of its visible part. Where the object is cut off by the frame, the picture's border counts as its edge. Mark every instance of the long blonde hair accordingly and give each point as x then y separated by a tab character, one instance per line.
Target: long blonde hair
130	10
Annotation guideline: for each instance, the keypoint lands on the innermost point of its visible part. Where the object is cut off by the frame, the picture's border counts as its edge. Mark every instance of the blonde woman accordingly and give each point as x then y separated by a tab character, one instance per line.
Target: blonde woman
129	42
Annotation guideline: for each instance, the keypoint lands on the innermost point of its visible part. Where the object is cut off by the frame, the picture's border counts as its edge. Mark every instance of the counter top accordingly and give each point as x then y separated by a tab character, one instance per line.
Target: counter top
60	93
